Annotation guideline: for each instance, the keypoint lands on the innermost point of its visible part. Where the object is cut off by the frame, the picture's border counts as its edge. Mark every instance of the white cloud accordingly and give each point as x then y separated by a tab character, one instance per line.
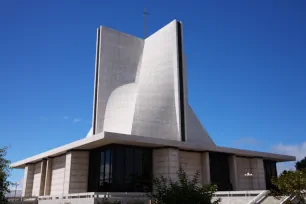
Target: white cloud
76	120
297	150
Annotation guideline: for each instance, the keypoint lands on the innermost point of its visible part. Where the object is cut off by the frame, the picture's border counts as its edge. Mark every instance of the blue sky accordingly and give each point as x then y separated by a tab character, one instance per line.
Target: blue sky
246	69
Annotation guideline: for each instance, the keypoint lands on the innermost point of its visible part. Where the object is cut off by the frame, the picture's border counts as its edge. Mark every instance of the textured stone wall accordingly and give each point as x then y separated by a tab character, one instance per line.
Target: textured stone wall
166	162
257	167
232	161
48	177
253	166
28	180
76	174
157	109
42	177
118	61
36	179
205	168
58	175
190	162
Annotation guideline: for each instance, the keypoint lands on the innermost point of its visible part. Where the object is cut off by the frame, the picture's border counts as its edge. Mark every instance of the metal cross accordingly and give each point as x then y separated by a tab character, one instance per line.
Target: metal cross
145	13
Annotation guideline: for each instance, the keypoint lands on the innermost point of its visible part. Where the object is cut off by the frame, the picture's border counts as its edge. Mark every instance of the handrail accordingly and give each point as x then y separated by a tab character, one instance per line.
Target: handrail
259	197
286	198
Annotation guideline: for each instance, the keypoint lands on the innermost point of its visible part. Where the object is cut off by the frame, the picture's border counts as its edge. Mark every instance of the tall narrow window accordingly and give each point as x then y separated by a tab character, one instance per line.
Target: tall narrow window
120	169
102	168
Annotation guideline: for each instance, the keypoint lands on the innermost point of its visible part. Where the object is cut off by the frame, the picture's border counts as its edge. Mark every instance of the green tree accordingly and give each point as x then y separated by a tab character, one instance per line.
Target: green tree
301	164
291	183
4	173
183	191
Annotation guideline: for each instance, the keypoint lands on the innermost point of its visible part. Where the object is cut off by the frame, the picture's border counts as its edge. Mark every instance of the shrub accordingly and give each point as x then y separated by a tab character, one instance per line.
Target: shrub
183	191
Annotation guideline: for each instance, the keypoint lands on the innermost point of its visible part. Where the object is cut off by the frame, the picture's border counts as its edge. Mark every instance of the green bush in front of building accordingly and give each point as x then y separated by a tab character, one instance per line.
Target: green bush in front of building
182	191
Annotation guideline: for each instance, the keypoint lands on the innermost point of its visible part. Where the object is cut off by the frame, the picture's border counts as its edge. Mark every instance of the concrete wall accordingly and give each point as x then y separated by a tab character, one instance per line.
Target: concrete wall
76	175
61	175
196	132
138	88
28	180
48	177
205	168
166	162
259	181
191	163
58	175
37	179
157	111
232	161
118	61
253	166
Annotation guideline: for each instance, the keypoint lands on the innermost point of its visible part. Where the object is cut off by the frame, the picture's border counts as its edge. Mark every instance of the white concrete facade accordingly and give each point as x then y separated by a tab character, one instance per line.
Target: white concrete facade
141	99
141	86
28	180
61	175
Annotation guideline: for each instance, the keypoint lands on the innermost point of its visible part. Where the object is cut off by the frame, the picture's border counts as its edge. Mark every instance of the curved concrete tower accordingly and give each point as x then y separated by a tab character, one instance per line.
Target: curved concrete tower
141	87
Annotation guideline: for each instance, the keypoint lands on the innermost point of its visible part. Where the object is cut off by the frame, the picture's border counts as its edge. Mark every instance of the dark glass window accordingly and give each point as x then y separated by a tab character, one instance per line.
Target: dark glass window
122	169
219	171
270	172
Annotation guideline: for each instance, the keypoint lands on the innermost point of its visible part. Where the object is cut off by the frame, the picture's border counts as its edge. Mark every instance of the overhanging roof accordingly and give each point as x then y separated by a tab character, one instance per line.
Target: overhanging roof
106	138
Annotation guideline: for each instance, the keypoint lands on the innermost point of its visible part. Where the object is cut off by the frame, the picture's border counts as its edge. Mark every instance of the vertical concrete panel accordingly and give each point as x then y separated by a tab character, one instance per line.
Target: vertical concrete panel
67	173
243	166
79	172
28	180
258	179
58	175
157	101
119	56
253	166
196	132
233	171
205	168
48	177
166	163
190	162
42	177
36	179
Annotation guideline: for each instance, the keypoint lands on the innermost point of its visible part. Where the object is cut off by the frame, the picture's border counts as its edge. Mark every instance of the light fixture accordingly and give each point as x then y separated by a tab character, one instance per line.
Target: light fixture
248	174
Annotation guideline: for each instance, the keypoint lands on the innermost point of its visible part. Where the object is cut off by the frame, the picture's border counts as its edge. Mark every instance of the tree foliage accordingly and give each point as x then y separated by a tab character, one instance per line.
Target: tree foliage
300	165
183	191
4	173
291	183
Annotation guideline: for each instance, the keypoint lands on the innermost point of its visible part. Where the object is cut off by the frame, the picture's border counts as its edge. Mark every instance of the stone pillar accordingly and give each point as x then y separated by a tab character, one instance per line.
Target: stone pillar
76	172
28	180
48	177
39	178
205	168
42	177
166	162
232	160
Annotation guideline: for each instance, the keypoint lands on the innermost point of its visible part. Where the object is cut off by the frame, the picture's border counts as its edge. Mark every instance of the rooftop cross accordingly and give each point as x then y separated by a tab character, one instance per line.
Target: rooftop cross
145	13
